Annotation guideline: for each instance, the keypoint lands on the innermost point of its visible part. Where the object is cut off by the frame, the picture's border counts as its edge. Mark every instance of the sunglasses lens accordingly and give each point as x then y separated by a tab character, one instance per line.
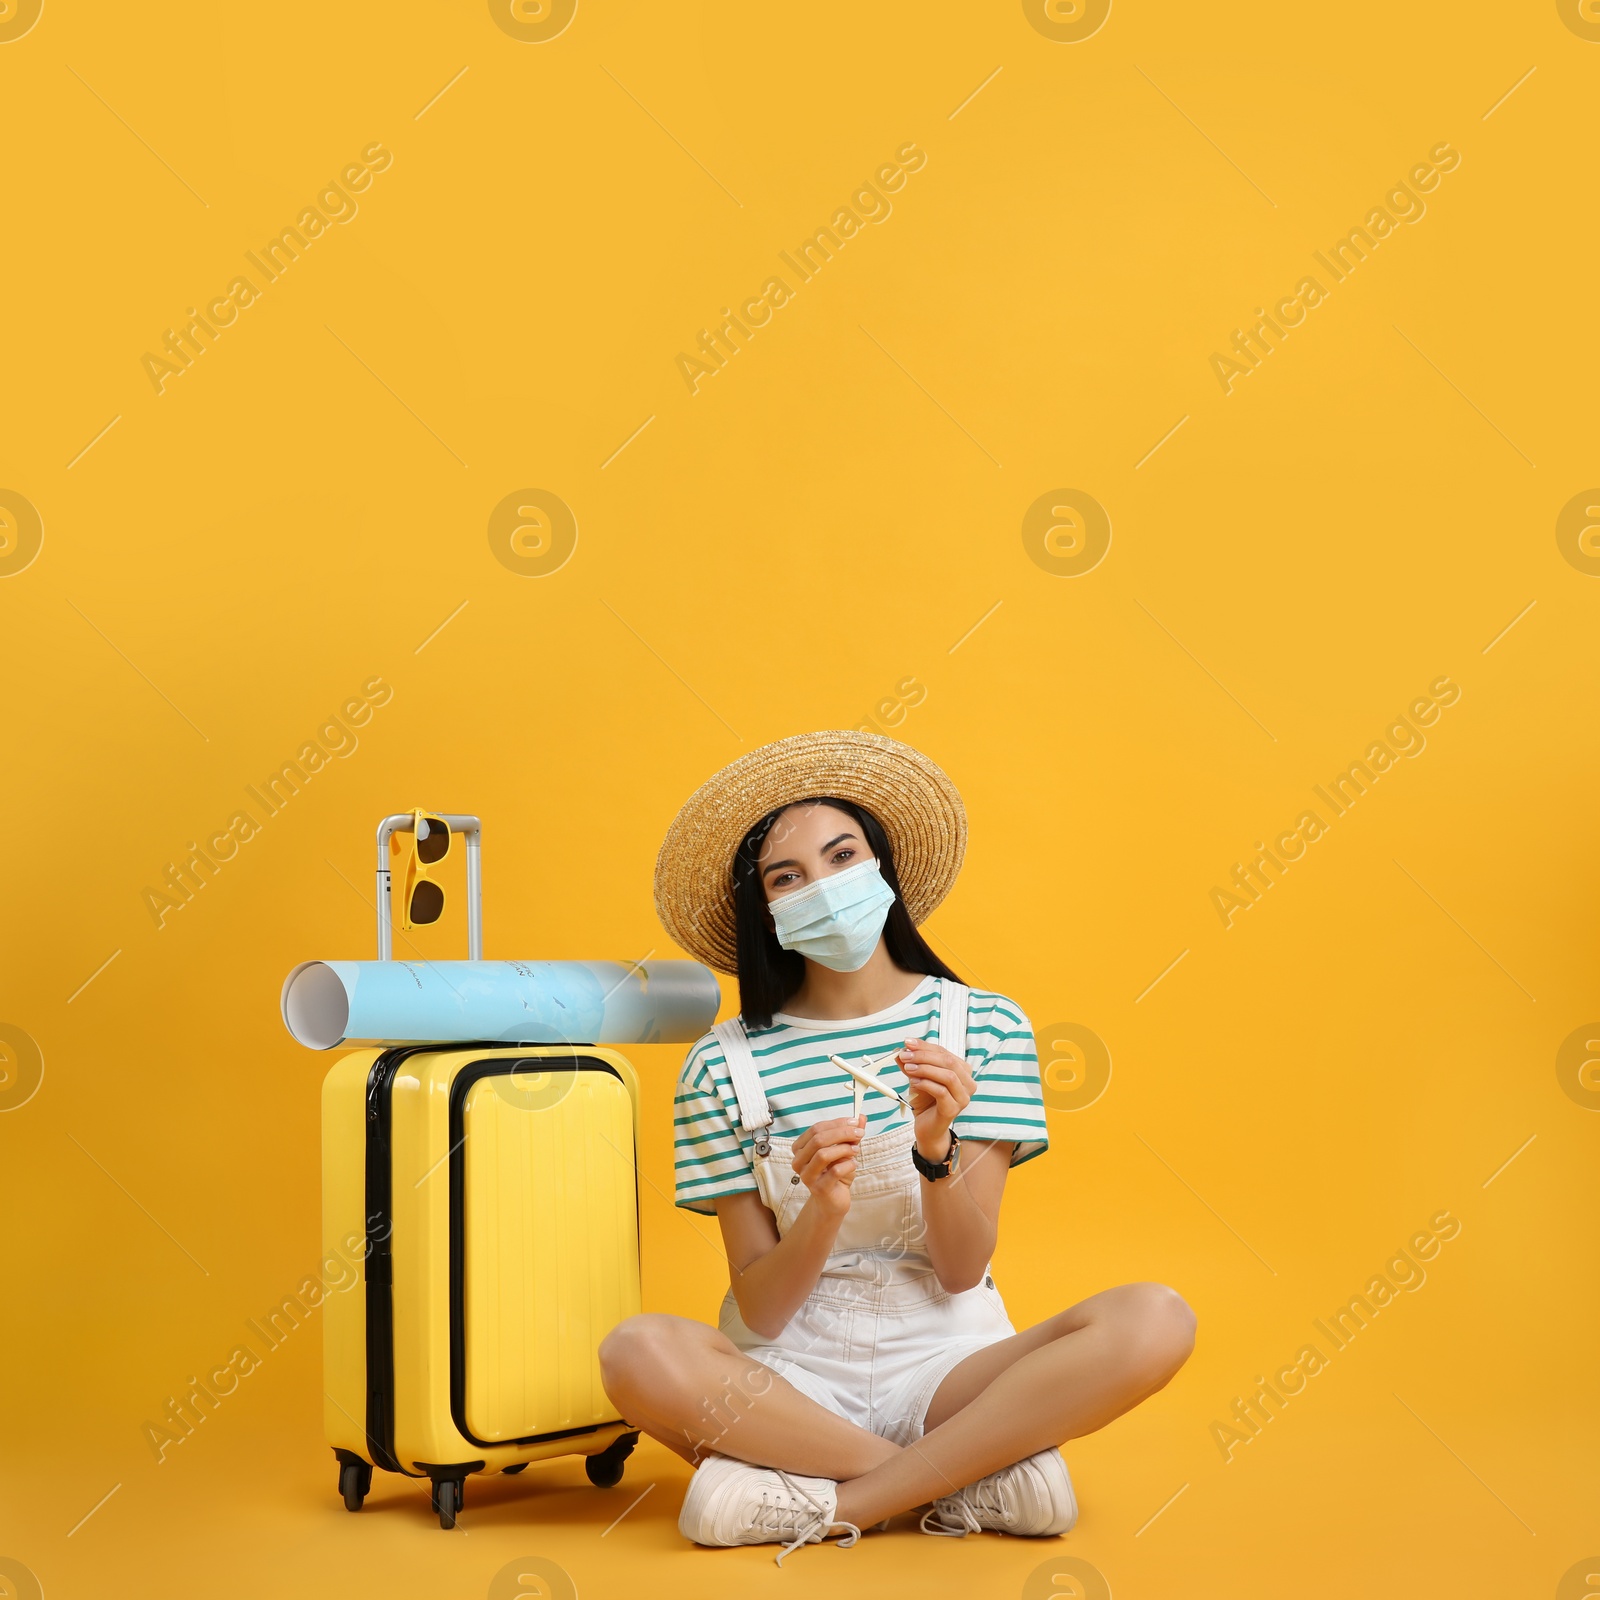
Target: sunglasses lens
427	902
435	846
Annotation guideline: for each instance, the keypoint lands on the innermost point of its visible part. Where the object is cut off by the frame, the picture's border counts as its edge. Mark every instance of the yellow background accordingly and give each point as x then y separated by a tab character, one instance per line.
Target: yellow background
828	516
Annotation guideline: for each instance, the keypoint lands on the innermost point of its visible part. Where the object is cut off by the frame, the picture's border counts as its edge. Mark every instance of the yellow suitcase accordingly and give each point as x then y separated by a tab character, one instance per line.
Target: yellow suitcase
490	1193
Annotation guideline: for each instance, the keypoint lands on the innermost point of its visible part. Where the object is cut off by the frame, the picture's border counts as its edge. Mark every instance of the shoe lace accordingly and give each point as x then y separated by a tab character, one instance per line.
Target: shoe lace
957	1514
801	1515
951	1516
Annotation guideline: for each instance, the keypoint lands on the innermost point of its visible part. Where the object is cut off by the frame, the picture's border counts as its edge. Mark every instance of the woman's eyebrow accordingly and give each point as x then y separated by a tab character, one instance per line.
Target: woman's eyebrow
838	839
772	866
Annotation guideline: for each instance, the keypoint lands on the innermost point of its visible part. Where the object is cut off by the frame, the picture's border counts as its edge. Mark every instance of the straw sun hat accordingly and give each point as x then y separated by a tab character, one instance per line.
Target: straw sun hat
917	804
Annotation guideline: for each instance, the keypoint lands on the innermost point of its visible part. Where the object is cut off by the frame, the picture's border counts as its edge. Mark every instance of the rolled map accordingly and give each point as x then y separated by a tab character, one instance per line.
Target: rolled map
329	1003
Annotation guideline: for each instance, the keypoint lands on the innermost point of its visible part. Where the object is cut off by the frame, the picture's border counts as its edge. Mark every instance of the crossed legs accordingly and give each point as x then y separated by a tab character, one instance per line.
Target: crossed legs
688	1386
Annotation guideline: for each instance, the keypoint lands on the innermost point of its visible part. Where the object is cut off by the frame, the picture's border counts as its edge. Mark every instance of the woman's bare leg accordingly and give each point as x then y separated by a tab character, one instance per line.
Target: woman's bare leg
690	1387
1068	1376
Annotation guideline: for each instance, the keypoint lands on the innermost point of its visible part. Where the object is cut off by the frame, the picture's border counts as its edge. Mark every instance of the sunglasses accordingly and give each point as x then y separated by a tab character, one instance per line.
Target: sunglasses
424	847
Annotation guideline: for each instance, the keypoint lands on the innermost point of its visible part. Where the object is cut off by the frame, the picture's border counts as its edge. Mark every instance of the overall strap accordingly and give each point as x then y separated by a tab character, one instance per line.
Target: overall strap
755	1116
953	1016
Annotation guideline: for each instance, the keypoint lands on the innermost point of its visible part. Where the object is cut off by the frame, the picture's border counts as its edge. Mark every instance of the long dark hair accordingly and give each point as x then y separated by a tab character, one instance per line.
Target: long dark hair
769	974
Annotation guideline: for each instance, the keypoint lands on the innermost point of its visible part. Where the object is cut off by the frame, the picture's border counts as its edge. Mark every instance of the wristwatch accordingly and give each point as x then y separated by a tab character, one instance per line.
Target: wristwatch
933	1171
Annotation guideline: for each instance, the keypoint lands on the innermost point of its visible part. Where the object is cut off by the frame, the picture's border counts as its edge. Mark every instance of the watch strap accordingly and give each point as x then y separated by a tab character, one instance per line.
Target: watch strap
933	1171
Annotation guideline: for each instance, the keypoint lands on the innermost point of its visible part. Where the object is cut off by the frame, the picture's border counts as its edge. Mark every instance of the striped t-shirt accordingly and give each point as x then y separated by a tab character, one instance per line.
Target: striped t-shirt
714	1154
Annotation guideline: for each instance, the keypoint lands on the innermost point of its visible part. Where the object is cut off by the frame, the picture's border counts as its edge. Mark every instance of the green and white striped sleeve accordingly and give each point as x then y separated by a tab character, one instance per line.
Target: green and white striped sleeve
708	1153
1007	1102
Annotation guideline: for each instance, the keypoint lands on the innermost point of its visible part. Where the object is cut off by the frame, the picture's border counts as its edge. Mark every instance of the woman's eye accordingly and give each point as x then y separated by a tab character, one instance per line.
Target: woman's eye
843	854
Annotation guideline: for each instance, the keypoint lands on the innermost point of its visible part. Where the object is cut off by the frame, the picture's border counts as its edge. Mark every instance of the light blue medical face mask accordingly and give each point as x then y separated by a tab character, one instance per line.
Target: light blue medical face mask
838	920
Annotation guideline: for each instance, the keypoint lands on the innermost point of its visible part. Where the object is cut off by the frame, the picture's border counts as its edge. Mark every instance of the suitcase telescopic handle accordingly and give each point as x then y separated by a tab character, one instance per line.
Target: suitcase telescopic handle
471	829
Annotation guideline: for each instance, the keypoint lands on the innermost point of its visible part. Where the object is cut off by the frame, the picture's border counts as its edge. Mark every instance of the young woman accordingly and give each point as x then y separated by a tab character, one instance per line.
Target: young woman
864	1364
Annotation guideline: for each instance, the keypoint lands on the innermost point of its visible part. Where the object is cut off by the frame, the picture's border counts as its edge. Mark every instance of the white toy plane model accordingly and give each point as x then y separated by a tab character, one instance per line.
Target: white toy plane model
866	1079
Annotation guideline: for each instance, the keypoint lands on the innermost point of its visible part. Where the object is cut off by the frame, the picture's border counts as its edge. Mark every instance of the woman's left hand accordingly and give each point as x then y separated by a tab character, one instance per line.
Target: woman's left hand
941	1089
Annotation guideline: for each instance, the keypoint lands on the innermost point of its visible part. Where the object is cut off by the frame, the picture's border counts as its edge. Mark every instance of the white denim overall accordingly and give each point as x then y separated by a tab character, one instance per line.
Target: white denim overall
877	1335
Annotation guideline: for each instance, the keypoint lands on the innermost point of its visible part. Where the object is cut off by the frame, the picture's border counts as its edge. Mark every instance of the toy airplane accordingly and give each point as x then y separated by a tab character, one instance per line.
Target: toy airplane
866	1079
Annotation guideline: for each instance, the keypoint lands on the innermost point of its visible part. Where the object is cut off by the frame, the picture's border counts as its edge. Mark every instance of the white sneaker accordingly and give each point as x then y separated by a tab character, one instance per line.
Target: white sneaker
731	1502
1033	1497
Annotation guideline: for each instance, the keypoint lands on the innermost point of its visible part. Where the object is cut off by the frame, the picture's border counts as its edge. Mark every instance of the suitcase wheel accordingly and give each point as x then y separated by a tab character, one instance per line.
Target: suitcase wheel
447	1497
605	1469
355	1479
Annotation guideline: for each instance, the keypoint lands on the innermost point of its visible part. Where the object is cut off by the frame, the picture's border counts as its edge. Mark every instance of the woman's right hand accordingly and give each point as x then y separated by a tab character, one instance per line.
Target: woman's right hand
825	1161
